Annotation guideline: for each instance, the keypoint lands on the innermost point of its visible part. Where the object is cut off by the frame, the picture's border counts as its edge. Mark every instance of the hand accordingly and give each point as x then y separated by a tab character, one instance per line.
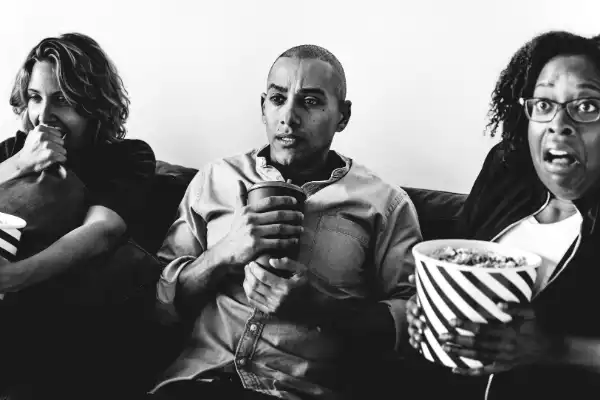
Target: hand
502	346
264	226
416	320
272	294
44	146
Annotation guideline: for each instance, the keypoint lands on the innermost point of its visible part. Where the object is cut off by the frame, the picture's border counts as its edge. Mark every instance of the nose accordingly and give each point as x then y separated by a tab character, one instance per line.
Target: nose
46	112
562	124
289	116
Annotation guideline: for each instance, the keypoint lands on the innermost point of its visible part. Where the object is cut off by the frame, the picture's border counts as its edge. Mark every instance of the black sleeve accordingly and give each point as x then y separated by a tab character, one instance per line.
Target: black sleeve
11	146
125	181
470	209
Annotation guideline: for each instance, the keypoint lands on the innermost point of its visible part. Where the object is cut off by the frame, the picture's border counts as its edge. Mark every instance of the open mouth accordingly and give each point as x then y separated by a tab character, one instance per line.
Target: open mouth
560	158
288	140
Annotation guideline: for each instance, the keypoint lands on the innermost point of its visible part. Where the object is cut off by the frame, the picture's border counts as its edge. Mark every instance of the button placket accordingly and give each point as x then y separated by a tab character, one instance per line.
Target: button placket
245	350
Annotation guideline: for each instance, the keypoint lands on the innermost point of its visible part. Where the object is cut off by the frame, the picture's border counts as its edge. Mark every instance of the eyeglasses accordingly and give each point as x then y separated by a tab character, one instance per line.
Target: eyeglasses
584	110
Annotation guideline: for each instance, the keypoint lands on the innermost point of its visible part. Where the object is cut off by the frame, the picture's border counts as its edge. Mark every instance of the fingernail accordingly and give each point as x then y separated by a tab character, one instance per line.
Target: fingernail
502	306
447	348
454	322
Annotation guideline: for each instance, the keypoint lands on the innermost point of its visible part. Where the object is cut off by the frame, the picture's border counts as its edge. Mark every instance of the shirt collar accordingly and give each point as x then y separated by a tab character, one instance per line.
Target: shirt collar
270	172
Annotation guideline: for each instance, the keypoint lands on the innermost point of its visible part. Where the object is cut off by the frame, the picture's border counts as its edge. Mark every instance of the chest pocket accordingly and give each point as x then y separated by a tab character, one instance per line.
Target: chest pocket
339	252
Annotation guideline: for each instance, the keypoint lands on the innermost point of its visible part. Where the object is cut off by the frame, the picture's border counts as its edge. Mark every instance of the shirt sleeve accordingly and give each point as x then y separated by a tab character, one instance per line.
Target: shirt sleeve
184	243
395	261
11	146
124	186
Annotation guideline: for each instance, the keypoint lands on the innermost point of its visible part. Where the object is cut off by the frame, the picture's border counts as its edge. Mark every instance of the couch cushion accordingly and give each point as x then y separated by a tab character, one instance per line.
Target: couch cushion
437	210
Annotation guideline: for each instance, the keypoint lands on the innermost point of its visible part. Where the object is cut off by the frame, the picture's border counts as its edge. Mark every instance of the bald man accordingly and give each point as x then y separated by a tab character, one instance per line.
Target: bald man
254	333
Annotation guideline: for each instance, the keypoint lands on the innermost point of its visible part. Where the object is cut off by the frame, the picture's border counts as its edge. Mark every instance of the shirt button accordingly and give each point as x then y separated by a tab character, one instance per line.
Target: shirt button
241	361
253	328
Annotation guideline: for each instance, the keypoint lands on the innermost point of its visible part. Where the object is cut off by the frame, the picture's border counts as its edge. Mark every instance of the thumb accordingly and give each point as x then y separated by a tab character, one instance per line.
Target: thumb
242	194
287	264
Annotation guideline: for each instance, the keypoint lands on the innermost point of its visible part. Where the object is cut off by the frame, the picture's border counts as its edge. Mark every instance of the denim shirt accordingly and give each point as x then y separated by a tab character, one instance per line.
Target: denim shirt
357	241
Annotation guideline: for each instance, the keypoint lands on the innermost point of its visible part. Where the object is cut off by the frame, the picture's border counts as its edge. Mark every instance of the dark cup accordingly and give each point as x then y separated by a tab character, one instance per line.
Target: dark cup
263	190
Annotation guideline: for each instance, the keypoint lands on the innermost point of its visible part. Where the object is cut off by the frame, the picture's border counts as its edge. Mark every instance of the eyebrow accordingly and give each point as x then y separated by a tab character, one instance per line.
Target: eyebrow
278	88
590	86
282	89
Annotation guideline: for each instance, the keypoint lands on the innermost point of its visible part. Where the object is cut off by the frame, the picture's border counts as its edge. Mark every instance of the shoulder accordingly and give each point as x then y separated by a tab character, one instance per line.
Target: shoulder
130	154
225	171
385	196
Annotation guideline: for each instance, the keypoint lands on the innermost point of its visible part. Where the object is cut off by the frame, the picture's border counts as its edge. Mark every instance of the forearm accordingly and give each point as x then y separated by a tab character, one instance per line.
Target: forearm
199	278
73	249
10	169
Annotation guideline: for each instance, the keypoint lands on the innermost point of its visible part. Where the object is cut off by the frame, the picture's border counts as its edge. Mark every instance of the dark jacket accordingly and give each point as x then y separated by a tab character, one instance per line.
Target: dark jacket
504	194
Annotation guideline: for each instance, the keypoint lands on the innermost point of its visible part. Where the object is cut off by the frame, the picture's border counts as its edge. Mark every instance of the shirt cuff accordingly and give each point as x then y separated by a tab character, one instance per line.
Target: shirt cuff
166	289
397	308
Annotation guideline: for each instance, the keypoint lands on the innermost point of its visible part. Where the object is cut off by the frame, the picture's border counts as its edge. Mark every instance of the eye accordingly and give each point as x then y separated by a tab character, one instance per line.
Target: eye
33	97
588	106
542	106
277	99
62	100
312	101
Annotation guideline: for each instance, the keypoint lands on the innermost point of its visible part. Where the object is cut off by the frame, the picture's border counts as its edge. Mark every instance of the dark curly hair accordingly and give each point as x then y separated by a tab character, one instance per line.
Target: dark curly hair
87	78
518	80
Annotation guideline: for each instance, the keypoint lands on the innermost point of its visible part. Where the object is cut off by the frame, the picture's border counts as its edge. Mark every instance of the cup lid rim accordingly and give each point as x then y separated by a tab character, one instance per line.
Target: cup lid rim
277	184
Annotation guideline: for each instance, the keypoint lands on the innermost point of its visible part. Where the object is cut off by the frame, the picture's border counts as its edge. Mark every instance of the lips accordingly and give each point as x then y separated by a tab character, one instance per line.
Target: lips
288	140
560	158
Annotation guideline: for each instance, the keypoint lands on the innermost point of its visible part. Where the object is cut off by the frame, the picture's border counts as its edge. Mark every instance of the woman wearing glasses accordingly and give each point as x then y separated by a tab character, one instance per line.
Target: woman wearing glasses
539	189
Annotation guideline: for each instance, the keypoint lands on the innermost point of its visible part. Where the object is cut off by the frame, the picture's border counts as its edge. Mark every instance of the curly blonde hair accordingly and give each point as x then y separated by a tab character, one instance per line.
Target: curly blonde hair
87	79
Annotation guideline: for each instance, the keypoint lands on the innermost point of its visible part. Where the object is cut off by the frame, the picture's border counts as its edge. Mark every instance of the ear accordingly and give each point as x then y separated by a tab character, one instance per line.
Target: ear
346	111
262	107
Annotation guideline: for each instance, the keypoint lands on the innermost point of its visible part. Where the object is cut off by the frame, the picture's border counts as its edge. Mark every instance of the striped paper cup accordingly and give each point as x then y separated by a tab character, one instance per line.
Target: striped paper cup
446	291
10	235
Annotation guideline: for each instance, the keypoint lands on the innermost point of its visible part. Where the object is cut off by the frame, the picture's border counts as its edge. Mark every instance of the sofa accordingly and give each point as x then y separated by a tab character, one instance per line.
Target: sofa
437	209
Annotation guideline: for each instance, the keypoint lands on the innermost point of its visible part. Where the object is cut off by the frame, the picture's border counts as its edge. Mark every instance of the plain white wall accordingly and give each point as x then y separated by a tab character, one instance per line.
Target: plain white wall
420	73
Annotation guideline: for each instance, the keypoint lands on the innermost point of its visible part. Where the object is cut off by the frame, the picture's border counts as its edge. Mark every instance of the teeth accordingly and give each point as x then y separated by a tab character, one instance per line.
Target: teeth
558	153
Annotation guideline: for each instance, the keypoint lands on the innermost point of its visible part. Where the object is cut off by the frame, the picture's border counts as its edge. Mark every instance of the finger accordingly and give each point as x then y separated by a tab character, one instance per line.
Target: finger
56	148
242	194
267	217
288	264
274	202
50	130
279	230
276	244
469	371
262	276
517	310
254	289
473	327
476	354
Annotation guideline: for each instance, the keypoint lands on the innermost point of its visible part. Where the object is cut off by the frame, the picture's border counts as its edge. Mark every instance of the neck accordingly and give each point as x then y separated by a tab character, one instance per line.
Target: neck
299	174
556	210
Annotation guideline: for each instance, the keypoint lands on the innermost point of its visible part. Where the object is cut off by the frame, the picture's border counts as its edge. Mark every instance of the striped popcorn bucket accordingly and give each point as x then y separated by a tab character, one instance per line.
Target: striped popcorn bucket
446	291
10	235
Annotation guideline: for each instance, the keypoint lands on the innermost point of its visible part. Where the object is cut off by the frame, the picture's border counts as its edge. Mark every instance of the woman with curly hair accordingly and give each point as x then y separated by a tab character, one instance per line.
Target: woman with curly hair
73	108
539	189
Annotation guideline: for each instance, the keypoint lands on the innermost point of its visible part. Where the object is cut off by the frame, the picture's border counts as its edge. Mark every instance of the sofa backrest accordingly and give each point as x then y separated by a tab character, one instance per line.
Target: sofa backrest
437	210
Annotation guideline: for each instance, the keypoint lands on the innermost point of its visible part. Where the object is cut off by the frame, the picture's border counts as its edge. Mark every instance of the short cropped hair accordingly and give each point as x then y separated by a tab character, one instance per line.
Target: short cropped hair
313	52
87	79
